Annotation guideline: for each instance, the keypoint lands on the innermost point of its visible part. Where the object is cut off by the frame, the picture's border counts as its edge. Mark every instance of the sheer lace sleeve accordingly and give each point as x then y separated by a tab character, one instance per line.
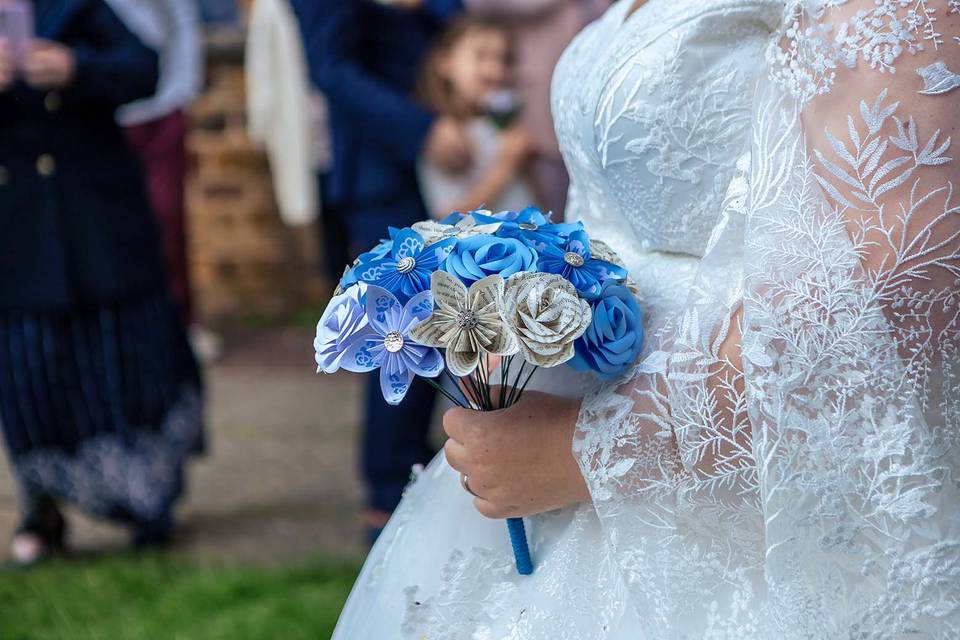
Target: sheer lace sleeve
783	462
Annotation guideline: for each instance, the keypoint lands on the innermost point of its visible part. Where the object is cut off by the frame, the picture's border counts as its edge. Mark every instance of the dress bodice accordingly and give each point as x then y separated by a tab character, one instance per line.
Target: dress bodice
652	110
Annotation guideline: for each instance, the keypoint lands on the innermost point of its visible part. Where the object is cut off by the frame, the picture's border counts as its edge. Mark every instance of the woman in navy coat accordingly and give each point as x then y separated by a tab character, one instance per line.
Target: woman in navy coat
100	397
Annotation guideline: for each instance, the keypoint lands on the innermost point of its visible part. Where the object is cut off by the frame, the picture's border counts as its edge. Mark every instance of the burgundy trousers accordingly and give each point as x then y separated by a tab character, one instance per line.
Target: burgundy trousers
161	147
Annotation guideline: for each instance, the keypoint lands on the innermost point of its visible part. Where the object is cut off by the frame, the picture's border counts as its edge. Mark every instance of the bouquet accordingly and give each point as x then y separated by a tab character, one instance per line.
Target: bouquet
476	294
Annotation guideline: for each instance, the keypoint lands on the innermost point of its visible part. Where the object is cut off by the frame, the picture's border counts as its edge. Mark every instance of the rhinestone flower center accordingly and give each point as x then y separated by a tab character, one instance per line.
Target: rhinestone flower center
528	226
467	319
573	259
393	341
406	265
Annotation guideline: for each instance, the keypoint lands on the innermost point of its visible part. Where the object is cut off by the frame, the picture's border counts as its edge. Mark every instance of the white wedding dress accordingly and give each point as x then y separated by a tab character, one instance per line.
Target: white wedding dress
778	178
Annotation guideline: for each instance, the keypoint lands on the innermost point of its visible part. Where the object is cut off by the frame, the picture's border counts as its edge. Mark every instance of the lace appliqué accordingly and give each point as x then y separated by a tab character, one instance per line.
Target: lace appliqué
805	58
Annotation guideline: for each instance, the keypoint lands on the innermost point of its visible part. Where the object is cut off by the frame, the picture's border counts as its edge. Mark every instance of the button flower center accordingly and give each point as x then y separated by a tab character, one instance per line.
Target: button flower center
406	265
573	259
393	341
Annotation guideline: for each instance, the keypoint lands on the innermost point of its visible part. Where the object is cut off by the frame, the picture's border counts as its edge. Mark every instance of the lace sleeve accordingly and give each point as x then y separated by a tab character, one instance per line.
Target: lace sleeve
784	460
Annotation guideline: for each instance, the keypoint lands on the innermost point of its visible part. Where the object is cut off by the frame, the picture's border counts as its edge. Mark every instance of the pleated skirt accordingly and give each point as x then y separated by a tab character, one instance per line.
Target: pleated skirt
101	406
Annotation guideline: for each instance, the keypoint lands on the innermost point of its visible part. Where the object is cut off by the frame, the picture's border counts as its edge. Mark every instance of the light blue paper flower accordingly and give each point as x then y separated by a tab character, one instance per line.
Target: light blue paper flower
574	262
477	257
406	270
343	322
389	347
530	226
615	336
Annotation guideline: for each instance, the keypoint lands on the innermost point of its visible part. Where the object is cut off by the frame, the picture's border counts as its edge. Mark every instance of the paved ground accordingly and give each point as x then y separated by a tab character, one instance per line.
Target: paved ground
280	480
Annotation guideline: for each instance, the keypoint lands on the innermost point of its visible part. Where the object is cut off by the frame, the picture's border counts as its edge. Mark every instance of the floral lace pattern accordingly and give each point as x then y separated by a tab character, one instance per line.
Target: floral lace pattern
784	462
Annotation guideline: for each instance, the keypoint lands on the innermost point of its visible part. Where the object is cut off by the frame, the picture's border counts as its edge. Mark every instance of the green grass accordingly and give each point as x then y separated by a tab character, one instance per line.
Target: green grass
155	597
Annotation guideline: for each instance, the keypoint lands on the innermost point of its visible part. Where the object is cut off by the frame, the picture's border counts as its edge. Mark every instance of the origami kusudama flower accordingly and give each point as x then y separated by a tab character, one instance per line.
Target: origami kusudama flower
477	257
406	270
614	338
575	262
343	322
466	322
547	316
389	347
432	231
382	250
530	226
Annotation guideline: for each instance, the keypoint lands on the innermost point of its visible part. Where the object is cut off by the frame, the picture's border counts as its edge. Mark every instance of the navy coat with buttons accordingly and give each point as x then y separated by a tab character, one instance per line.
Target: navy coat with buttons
75	223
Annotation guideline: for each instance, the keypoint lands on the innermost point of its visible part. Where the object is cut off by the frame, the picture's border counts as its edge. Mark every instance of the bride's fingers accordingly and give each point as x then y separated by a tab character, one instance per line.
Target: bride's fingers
457	456
494	510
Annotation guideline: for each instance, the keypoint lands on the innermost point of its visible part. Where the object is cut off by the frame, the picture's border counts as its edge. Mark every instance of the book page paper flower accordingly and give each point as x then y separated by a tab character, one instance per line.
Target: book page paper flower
547	316
466	322
432	231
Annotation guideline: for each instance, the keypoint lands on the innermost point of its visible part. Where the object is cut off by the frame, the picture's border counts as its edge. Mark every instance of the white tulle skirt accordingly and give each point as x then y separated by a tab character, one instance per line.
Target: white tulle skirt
441	571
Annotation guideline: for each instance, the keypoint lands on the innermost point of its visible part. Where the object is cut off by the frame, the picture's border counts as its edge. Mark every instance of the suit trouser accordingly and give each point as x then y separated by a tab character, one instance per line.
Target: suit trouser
394	438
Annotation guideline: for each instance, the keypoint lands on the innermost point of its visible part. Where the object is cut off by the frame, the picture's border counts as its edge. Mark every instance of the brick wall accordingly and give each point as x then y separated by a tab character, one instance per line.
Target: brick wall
244	260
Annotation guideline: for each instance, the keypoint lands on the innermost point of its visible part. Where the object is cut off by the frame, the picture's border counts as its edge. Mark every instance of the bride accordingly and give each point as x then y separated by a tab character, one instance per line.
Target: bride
783	460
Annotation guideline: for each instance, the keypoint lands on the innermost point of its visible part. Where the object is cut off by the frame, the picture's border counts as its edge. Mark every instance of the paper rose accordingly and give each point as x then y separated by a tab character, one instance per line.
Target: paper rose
614	338
575	262
388	345
530	226
477	257
343	322
547	316
405	270
466	322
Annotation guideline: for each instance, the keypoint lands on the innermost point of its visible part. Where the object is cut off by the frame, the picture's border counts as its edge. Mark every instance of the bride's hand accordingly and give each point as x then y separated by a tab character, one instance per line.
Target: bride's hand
518	461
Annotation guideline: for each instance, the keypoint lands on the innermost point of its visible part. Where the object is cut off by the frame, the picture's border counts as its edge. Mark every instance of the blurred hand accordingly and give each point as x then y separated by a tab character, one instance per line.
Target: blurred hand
448	146
517	146
404	4
7	68
49	65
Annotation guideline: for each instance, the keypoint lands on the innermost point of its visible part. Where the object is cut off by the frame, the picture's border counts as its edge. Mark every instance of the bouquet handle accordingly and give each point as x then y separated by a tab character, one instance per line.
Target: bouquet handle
521	550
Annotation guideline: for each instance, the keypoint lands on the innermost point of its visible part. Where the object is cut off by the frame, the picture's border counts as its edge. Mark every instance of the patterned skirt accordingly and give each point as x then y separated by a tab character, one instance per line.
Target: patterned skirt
101	406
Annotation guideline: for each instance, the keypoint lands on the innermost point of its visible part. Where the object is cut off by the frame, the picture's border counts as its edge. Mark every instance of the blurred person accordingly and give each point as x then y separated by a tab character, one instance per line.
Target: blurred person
156	127
468	68
542	30
364	57
100	397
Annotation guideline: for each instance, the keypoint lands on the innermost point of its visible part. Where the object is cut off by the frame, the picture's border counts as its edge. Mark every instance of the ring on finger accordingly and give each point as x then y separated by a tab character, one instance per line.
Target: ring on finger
465	483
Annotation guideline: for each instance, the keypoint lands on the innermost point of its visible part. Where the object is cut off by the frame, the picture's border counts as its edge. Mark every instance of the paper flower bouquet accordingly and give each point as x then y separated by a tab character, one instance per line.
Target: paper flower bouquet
482	298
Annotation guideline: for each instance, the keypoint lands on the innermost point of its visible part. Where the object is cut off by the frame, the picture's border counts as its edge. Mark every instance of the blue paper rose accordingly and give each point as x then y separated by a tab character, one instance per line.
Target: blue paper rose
477	257
614	338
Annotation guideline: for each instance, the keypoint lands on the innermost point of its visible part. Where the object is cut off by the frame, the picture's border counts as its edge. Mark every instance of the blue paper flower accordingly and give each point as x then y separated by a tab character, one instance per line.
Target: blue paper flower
388	345
574	262
614	338
530	226
477	257
343	322
380	251
405	270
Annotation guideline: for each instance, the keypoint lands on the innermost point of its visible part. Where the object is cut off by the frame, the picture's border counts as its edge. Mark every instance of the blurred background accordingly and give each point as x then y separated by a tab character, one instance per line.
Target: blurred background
272	522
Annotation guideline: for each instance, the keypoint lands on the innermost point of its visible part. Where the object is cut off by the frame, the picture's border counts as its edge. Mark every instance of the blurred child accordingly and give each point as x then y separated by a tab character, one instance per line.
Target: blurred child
467	76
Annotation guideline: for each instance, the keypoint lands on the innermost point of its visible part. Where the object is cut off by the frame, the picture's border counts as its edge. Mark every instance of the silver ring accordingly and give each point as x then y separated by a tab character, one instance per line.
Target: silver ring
465	483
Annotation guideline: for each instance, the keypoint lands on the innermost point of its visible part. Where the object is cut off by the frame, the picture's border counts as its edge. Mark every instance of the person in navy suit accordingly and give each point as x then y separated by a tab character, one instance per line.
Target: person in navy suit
100	397
364	57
